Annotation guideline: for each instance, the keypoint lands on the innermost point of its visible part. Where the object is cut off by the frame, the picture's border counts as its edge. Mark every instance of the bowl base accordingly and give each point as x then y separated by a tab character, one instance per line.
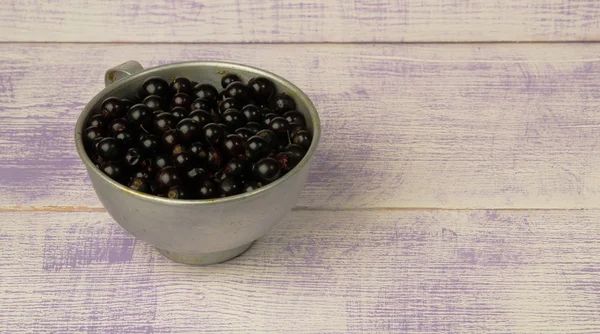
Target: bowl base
203	259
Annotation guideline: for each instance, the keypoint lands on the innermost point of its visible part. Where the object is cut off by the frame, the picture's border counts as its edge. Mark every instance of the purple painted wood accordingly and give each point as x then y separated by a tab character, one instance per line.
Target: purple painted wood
228	21
409	271
438	126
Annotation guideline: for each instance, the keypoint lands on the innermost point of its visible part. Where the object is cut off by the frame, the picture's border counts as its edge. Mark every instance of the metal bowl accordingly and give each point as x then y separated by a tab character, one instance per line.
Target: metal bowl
197	232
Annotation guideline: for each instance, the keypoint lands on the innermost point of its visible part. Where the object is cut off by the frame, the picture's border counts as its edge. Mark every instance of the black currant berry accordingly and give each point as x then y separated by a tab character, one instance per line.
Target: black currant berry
261	88
154	86
171	138
229	186
97	121
295	151
233	119
229	103
201	117
205	91
181	100
295	117
167	177
128	103
250	186
208	189
245	133
189	129
199	153
142	174
125	139
164	122
133	158
279	125
90	134
113	107
219	176
267	170
252	113
117	125
282	103
267	119
108	148
287	161
161	161
181	85
96	141
149	143
269	136
236	166
182	160
302	138
203	104
140	184
294	128
196	174
234	145
257	148
140	116
178	192
229	78
213	133
179	113
113	169
154	102
237	90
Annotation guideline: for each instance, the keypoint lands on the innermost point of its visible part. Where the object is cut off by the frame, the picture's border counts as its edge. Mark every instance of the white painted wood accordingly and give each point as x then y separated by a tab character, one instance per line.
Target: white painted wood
440	126
317	272
306	21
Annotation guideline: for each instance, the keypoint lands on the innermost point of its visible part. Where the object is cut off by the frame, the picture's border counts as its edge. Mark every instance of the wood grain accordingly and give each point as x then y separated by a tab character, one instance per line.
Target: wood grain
317	272
426	126
405	126
306	21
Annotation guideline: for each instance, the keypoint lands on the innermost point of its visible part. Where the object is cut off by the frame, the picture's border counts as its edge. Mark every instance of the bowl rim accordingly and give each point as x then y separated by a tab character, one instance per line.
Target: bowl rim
231	66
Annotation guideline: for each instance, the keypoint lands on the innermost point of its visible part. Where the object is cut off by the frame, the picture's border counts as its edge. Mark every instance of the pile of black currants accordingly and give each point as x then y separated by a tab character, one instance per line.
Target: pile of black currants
187	140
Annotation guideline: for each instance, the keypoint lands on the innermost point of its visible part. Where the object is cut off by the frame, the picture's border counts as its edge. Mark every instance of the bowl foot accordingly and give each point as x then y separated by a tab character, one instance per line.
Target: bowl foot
202	259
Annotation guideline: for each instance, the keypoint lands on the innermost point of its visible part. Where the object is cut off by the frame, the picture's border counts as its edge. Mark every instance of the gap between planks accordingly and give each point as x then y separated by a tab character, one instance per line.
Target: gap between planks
377	57
303	43
67	209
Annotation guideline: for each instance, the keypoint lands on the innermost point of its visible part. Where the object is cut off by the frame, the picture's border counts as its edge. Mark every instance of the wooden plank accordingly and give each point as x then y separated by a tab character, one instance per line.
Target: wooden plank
318	271
446	126
307	21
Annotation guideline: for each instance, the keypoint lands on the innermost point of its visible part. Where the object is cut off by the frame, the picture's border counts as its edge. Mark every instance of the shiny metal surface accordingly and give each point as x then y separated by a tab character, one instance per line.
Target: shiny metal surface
198	231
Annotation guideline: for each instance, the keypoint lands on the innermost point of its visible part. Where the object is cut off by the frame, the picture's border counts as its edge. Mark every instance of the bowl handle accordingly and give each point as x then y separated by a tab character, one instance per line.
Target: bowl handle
121	71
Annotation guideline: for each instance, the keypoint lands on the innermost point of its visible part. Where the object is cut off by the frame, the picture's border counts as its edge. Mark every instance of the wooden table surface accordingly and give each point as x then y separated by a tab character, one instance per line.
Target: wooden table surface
456	188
